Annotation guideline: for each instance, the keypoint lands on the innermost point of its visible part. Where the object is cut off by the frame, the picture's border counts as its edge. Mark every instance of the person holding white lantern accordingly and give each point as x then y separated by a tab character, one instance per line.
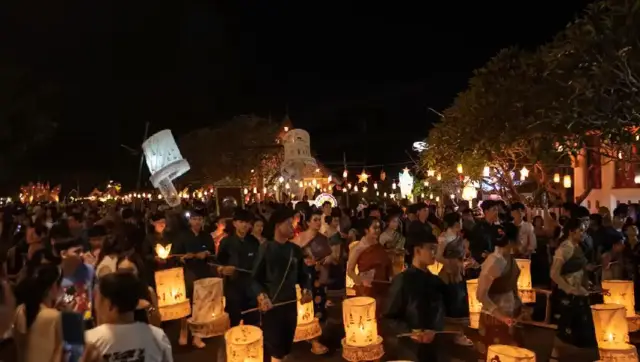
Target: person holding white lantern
416	304
575	325
498	291
278	268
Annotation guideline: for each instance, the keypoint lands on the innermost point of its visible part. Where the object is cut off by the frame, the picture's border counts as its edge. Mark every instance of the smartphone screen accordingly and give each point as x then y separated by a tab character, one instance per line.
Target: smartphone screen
73	335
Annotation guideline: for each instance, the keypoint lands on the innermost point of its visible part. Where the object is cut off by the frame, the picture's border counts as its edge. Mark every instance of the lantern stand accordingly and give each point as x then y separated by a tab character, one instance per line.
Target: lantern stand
172	295
208	318
617	352
308	326
361	341
504	353
244	344
621	292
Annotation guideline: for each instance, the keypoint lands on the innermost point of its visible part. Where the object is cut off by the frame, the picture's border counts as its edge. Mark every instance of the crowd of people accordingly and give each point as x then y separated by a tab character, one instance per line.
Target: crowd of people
79	279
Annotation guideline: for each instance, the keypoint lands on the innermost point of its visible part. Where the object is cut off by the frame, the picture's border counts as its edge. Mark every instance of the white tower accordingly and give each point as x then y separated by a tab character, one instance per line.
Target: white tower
297	154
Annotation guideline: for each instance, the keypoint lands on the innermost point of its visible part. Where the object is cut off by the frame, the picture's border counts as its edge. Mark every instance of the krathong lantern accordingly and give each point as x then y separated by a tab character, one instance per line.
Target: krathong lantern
504	353
610	323
435	268
525	290
172	296
244	344
475	307
208	318
165	164
617	352
361	342
163	251
308	326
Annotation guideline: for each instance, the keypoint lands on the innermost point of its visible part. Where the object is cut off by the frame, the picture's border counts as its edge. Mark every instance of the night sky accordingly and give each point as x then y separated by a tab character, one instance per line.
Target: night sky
359	77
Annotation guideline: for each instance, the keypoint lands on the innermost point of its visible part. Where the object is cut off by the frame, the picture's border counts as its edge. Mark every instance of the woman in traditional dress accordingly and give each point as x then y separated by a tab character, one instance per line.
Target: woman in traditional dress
450	253
374	266
575	325
317	269
498	292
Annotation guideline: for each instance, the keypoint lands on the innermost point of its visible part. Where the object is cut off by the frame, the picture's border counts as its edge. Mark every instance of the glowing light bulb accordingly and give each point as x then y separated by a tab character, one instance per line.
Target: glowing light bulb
566	182
281	179
556	177
344	173
459	168
393	185
375	185
524	172
430	173
287	186
425	183
439	177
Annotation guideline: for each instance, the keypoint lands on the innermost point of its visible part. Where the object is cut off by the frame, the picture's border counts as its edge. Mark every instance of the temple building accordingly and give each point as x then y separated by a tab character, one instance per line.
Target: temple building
609	181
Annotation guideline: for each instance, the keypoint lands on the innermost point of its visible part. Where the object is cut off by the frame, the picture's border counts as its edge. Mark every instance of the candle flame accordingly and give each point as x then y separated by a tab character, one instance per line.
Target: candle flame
163	252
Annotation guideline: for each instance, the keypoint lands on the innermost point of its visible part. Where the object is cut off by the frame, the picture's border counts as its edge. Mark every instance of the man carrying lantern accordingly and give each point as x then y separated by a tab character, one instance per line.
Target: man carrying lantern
237	254
416	301
278	268
195	246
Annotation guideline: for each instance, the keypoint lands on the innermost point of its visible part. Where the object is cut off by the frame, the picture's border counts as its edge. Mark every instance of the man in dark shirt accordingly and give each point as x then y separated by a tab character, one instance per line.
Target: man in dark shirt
237	254
421	210
484	232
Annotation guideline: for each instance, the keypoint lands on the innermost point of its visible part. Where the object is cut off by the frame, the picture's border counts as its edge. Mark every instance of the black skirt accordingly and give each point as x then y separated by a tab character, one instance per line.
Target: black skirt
279	328
456	302
575	324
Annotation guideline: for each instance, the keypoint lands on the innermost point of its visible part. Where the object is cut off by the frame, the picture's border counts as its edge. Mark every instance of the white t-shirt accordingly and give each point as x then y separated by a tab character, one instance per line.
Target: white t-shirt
134	342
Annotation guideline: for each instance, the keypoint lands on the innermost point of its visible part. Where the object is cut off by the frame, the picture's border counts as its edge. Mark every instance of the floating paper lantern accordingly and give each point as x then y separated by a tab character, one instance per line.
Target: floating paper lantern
435	268
475	307
504	353
525	290
244	344
617	352
610	323
172	296
308	326
359	317
620	292
165	164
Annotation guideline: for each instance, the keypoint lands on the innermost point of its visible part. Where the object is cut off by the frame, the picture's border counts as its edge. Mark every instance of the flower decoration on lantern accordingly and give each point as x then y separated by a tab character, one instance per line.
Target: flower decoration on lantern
163	251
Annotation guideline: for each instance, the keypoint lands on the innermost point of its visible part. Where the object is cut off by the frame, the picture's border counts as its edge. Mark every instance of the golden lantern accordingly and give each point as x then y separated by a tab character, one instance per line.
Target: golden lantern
525	290
475	307
359	317
172	295
610	323
435	268
566	182
617	352
620	292
308	326
556	177
504	353
244	344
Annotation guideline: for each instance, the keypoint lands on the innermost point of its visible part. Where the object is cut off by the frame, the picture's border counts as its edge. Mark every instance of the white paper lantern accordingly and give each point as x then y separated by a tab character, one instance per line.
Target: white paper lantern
610	323
244	344
165	164
475	307
525	290
172	295
360	325
308	326
620	292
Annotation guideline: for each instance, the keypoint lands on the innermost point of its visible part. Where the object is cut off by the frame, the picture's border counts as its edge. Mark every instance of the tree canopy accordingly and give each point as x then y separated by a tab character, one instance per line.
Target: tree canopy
244	149
540	108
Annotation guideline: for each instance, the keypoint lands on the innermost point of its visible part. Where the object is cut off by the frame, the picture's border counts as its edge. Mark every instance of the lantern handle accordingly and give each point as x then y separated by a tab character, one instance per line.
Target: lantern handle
238	269
275	305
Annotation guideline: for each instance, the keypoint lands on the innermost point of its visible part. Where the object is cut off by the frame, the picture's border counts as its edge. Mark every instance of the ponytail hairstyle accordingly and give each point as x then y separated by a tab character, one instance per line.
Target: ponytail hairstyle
40	283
